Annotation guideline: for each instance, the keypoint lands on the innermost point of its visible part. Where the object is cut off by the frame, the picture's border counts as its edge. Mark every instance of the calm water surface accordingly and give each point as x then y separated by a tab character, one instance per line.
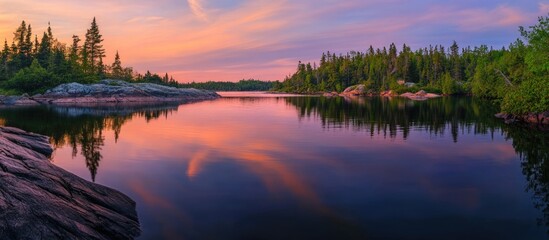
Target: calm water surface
255	166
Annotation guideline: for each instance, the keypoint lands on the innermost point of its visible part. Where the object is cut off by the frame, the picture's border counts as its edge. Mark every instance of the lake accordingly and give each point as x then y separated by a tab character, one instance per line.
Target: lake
258	166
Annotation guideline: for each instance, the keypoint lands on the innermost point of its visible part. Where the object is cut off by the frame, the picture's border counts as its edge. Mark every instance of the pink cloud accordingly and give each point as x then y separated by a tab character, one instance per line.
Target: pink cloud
248	40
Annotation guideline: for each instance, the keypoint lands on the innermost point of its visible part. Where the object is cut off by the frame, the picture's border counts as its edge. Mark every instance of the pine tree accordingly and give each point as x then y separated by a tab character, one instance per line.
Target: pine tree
455	62
36	46
101	68
166	79
117	72
23	45
4	57
94	48
74	50
45	50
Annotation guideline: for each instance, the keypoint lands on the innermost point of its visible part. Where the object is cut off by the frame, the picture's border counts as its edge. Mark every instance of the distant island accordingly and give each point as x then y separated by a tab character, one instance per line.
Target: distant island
516	76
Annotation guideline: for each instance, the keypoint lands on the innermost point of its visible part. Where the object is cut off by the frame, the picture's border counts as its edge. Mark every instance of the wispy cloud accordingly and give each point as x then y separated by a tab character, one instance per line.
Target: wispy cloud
198	9
205	40
544	7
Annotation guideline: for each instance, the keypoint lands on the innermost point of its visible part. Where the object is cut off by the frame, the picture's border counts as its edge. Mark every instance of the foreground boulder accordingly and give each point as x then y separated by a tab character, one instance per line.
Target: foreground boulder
39	200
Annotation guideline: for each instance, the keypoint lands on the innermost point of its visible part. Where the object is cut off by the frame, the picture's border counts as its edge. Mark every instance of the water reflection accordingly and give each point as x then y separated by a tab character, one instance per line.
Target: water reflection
80	126
533	148
389	116
312	167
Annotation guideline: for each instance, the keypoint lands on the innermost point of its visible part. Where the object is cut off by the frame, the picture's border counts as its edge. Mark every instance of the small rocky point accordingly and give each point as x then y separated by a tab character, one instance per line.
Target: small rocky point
110	91
361	90
420	95
39	200
356	90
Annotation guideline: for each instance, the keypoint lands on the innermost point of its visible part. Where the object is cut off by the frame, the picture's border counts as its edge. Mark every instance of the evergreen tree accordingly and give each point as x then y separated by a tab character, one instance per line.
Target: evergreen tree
94	48
455	62
117	72
23	45
101	72
45	50
4	58
36	46
74	50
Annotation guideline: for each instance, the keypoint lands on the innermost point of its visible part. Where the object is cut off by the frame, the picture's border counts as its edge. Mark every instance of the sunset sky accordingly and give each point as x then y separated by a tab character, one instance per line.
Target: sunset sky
228	40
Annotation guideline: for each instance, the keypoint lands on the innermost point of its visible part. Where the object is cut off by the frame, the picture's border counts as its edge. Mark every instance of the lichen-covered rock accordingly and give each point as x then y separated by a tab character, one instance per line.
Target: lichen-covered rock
39	200
356	90
113	91
17	100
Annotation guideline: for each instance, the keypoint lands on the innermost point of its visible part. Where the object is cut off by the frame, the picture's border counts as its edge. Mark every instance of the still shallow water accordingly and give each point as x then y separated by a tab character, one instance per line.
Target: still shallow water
249	167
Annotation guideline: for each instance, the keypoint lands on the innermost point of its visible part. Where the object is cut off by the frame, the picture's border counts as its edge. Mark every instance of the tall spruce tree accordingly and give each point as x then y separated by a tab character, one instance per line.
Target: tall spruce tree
94	48
74	50
4	58
23	45
455	62
117	72
45	50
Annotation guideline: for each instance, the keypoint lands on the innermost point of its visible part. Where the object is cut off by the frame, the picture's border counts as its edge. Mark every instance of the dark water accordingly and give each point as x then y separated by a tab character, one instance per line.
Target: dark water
308	167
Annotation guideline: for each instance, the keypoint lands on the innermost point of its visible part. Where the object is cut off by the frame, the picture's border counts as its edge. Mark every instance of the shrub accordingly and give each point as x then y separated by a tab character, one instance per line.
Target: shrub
32	79
531	96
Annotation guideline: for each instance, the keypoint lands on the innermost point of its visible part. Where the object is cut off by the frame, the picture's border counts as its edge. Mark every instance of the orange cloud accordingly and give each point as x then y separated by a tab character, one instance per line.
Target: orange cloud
198	40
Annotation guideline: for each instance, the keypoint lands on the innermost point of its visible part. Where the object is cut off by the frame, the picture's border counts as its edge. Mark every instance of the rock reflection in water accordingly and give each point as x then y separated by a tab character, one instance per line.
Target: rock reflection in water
327	165
81	127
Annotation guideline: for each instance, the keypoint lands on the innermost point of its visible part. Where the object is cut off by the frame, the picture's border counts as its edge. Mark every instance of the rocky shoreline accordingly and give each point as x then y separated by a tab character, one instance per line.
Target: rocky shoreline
110	91
41	200
361	90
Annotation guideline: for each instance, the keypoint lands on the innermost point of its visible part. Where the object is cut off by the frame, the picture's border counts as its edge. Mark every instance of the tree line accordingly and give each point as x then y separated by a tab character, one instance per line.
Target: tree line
242	85
30	65
518	74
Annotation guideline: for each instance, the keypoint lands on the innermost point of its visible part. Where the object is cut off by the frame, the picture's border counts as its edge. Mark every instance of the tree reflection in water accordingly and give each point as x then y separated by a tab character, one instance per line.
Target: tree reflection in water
80	126
389	116
533	148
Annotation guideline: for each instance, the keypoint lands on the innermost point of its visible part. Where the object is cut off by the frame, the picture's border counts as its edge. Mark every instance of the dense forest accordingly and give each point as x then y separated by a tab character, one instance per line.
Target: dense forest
29	65
518	74
242	85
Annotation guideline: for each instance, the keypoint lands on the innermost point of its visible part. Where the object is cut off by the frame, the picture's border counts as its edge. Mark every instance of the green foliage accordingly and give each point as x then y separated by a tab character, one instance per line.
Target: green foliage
518	75
383	67
8	92
54	63
449	85
537	57
531	96
31	79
